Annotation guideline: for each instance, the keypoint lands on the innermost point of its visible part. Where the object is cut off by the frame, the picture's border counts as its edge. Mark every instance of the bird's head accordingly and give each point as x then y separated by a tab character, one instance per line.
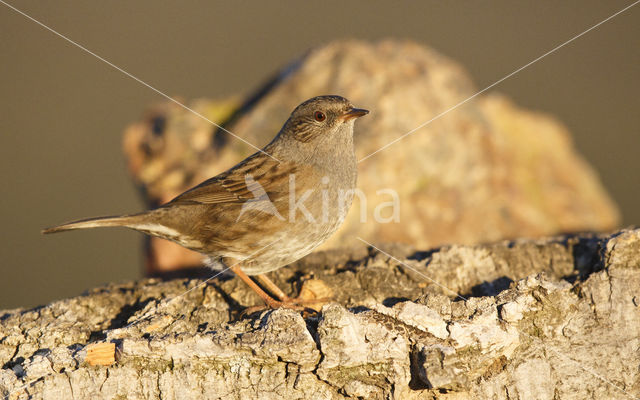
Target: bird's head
320	117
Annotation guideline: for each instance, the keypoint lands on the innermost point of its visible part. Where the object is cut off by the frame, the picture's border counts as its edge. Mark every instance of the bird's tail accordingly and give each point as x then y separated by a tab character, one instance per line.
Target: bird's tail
133	221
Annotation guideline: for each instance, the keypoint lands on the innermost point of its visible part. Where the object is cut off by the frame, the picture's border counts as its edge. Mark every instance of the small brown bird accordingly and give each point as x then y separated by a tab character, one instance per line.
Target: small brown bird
272	208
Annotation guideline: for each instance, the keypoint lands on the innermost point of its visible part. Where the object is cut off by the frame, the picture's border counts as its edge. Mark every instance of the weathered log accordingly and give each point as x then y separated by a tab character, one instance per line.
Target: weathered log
527	319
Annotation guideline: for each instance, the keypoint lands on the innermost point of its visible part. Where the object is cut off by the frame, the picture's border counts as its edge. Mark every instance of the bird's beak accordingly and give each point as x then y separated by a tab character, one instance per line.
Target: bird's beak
354	113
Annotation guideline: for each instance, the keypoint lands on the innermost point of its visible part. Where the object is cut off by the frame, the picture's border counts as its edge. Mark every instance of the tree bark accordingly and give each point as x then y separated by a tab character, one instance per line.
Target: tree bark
543	319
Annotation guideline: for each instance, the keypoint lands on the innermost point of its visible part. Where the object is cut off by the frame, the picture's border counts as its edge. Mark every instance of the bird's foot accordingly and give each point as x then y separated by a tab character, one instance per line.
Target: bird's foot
314	293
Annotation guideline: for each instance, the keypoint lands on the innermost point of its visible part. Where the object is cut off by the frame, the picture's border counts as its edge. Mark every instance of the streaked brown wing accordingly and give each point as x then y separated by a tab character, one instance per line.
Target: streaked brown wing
237	184
214	191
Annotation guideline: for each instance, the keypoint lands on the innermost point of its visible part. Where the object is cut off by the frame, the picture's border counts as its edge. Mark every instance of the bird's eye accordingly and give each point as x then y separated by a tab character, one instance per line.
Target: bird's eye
319	116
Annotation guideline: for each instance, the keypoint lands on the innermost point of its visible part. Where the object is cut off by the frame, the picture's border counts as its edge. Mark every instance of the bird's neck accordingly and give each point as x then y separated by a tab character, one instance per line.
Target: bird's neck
330	153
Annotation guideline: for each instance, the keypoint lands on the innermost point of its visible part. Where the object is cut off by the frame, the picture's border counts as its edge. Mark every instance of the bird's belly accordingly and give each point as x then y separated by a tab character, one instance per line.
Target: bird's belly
289	246
297	237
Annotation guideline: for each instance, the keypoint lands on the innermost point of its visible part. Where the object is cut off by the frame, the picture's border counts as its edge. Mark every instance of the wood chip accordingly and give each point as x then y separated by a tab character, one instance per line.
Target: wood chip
315	289
101	354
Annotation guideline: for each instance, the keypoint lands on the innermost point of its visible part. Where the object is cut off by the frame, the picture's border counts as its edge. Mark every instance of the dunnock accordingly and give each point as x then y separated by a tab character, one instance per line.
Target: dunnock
272	208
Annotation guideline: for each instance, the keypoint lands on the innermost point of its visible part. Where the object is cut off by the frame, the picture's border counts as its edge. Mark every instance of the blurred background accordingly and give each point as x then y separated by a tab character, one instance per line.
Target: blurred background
62	111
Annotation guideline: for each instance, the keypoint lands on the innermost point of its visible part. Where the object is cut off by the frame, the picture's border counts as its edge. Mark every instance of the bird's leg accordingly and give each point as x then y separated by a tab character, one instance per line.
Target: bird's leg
300	300
273	288
271	302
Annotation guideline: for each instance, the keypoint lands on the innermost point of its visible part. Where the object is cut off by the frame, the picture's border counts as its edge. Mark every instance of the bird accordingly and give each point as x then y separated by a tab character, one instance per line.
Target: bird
270	209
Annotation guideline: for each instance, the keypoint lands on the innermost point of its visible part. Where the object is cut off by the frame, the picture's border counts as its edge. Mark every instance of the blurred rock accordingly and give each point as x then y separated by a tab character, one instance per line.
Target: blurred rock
484	171
565	327
169	151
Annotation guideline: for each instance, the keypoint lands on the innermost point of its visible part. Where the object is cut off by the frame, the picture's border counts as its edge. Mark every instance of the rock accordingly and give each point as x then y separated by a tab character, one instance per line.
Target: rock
531	319
485	171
